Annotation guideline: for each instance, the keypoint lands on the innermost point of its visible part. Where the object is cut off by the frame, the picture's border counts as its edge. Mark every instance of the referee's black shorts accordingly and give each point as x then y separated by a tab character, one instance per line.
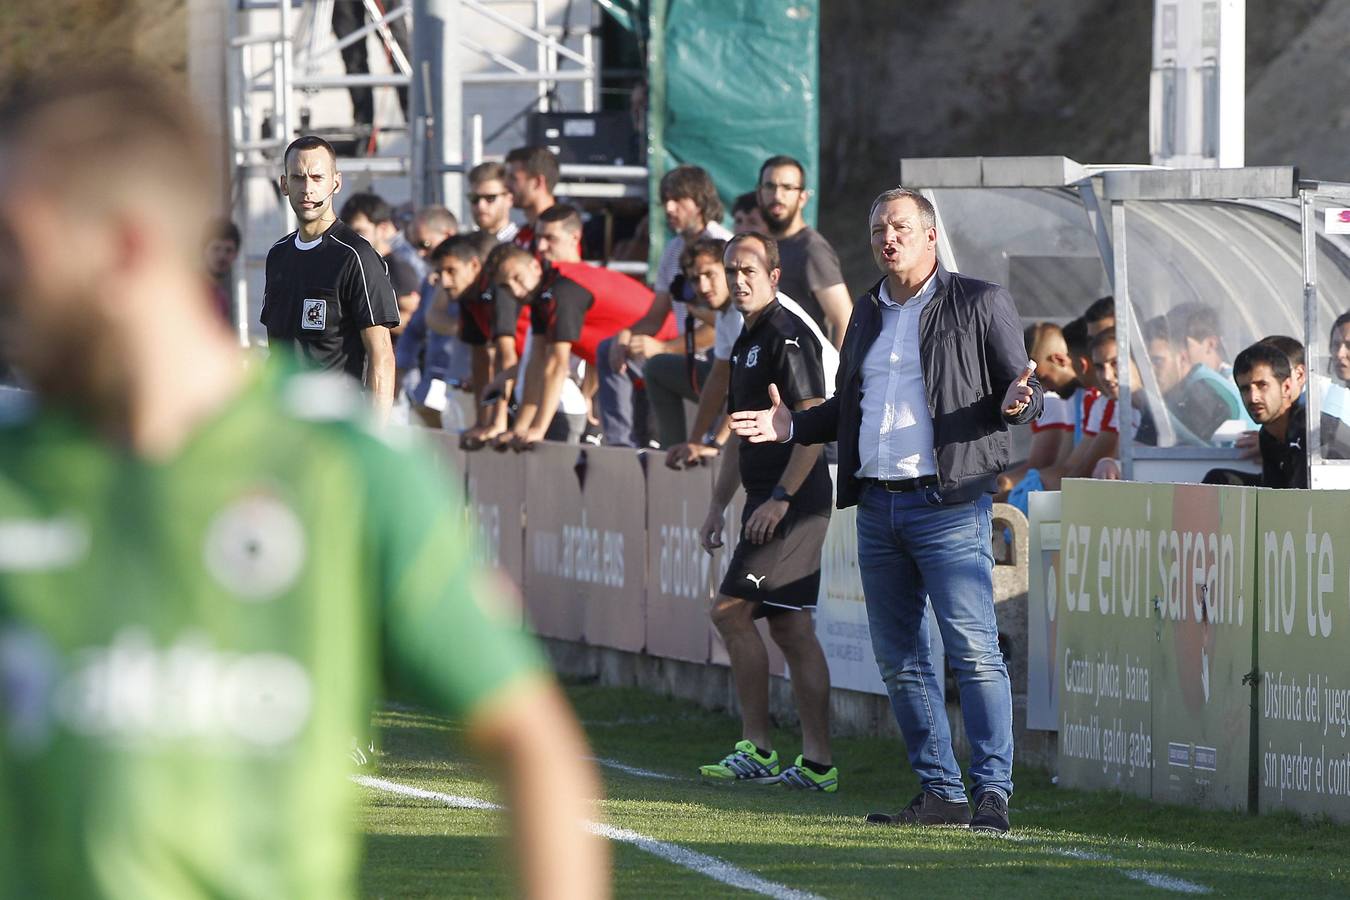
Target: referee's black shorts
783	574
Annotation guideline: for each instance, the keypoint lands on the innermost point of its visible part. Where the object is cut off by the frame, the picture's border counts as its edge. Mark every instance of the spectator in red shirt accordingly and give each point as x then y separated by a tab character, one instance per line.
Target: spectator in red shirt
573	307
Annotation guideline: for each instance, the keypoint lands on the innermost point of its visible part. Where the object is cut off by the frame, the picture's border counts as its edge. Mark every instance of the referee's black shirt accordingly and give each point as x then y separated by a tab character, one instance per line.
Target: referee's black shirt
320	296
778	349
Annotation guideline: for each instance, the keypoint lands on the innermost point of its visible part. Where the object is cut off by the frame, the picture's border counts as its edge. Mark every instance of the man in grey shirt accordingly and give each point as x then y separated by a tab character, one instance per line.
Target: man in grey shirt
811	273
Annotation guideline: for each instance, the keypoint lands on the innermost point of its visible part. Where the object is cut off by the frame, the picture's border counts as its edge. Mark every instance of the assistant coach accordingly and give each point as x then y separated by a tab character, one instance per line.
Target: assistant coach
932	372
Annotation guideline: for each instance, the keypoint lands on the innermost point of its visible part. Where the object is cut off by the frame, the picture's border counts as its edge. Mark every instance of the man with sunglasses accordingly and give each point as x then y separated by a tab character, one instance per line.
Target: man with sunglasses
490	201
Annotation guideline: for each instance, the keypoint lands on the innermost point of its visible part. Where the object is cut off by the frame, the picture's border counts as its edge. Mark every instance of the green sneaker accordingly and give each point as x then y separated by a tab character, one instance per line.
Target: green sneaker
799	777
744	764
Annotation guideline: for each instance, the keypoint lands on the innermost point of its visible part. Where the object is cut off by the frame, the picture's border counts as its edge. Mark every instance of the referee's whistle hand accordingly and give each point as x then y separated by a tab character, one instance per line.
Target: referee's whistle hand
762	425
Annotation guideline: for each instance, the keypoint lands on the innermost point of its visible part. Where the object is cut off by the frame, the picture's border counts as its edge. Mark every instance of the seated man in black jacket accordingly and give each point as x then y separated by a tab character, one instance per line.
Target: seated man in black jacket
1270	391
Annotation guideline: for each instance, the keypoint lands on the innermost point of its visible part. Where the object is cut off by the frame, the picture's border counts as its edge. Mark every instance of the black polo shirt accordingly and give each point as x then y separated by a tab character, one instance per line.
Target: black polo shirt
487	314
777	349
559	308
1284	462
321	295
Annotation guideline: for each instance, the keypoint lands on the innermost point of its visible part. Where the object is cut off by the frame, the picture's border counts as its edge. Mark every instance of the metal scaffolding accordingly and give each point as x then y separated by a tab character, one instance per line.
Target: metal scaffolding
469	59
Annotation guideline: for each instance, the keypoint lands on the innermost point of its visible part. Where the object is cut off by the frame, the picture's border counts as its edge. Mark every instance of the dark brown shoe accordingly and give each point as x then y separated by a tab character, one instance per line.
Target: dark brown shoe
927	809
991	813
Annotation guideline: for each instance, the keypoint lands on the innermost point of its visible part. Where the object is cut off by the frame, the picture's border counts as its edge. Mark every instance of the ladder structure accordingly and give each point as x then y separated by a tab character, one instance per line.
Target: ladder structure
476	71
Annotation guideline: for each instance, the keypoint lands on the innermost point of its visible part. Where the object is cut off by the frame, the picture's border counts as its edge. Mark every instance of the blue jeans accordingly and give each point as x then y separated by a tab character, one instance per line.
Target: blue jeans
910	547
615	400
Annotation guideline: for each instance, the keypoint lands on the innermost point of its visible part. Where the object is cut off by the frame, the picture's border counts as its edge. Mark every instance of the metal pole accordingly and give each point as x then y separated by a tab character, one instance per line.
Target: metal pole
238	177
1088	193
283	75
1124	317
1311	343
588	86
541	56
436	47
476	139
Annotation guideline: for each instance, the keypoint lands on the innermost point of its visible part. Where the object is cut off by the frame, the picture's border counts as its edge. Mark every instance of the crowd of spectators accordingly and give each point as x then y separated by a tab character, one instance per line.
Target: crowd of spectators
549	345
1192	396
508	312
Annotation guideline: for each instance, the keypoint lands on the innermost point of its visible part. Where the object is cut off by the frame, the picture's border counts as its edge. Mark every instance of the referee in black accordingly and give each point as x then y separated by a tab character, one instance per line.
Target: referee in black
327	296
775	570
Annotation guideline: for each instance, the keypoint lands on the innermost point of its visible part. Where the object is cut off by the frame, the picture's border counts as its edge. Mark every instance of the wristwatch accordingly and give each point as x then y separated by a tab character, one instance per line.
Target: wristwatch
780	493
710	440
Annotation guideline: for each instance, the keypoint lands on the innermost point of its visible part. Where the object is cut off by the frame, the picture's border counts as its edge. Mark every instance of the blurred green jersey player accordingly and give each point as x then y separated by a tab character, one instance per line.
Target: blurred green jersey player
202	569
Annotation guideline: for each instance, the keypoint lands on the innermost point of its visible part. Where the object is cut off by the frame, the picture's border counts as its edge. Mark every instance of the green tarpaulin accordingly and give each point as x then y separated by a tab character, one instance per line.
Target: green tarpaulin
732	82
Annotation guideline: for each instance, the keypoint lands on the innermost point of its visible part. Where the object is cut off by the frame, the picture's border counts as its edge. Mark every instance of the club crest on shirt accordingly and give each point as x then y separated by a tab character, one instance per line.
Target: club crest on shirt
314	315
255	547
752	357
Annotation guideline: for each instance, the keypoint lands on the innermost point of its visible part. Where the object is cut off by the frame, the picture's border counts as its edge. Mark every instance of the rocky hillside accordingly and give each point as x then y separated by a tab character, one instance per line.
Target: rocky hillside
1070	77
903	78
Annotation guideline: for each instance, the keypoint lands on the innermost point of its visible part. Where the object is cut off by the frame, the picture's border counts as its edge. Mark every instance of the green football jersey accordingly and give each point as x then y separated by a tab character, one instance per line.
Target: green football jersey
189	647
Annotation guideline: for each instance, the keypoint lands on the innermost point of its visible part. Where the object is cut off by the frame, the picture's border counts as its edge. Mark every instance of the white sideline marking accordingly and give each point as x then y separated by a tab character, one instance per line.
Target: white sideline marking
631	770
1152	879
1166	882
1087	855
709	866
393	787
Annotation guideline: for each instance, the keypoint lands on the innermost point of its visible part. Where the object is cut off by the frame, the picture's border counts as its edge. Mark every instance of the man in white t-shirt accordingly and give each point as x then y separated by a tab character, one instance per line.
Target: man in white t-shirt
693	211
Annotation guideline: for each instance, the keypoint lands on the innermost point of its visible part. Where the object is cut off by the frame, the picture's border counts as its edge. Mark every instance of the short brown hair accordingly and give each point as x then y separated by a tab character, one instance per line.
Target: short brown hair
487	171
711	247
693	183
501	255
537	161
770	247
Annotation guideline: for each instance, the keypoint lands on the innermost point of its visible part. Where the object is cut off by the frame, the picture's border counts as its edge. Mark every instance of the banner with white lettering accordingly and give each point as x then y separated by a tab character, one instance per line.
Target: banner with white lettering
1154	630
1043	525
841	618
607	549
495	487
1303	624
555	601
680	573
1105	634
1197	570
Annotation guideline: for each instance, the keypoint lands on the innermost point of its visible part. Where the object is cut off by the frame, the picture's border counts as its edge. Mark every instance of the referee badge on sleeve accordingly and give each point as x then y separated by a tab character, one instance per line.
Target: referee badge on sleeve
314	315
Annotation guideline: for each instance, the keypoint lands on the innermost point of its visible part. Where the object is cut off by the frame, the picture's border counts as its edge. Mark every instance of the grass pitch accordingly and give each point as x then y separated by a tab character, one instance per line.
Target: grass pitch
1064	843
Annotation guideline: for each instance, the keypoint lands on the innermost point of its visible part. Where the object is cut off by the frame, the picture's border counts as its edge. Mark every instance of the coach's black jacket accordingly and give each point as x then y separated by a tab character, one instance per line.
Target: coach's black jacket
971	348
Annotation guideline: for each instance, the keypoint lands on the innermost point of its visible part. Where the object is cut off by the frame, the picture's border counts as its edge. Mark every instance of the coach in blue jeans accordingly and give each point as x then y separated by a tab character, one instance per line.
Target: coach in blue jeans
932	372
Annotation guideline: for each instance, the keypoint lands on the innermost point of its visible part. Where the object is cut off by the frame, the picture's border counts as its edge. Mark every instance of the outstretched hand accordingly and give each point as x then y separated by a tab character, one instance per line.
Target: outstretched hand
1019	392
760	426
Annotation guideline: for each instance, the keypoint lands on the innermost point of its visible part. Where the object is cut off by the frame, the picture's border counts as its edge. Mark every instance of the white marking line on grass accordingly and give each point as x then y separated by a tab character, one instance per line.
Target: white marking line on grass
709	866
393	787
1152	879
631	770
1166	882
